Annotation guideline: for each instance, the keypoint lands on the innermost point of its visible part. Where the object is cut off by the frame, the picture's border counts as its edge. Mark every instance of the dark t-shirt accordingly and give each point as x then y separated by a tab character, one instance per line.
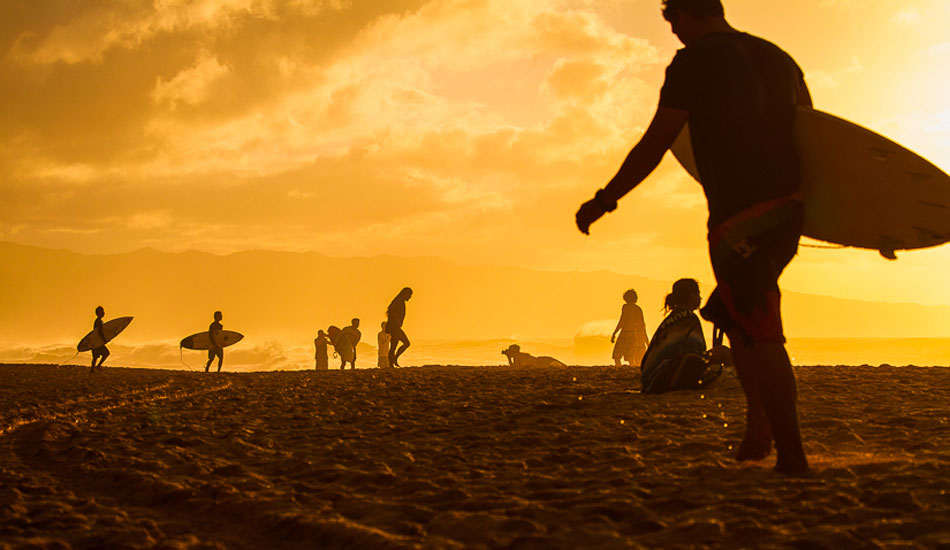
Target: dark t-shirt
740	92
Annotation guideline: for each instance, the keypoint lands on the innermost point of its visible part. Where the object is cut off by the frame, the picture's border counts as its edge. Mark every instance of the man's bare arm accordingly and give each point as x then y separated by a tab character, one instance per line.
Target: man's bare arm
642	159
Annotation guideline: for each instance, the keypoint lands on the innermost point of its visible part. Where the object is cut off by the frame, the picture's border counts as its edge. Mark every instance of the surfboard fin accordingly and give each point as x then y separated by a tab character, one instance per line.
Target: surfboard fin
888	253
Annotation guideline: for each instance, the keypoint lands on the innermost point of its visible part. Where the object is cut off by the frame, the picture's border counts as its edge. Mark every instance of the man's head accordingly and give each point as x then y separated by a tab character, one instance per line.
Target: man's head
691	19
100	311
356	323
218	316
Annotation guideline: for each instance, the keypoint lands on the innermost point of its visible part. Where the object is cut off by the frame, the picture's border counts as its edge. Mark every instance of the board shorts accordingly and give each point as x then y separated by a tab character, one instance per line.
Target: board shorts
749	251
219	353
398	335
101	351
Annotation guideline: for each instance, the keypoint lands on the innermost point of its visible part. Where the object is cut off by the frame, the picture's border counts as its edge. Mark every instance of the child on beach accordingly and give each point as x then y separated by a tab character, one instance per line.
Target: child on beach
633	341
320	351
382	347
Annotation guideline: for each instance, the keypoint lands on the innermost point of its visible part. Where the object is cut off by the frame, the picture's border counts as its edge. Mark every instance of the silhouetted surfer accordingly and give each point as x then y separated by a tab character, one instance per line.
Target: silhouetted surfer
632	342
395	315
102	351
739	94
352	334
320	351
217	347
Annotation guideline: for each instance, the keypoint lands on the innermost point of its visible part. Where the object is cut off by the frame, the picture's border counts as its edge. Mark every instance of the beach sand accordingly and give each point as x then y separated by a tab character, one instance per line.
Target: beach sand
461	457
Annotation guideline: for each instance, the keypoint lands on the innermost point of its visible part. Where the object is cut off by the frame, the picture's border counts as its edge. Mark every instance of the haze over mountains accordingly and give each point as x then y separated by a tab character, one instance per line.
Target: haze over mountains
49	296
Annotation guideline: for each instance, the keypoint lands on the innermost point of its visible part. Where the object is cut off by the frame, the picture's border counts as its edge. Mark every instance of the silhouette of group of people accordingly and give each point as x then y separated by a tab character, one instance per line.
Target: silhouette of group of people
391	341
215	348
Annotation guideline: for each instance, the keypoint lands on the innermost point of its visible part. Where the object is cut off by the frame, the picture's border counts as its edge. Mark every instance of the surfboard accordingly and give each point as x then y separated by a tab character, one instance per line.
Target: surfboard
341	344
202	340
860	189
110	329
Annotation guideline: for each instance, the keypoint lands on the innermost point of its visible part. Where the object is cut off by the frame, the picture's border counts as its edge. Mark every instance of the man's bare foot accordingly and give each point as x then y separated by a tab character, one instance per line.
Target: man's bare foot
792	467
753	449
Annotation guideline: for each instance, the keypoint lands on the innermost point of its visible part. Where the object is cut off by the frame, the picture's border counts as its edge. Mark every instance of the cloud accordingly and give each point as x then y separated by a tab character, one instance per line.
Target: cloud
90	35
193	84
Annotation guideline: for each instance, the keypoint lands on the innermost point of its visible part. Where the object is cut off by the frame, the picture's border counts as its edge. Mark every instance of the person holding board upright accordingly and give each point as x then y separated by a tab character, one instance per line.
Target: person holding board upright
395	315
217	346
740	95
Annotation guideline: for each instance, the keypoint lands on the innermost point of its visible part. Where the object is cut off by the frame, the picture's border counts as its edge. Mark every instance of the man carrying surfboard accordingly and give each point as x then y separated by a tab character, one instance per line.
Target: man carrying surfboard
217	348
739	94
102	351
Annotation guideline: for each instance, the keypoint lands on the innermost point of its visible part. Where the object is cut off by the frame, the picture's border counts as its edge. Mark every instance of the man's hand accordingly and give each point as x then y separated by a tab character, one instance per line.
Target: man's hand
589	212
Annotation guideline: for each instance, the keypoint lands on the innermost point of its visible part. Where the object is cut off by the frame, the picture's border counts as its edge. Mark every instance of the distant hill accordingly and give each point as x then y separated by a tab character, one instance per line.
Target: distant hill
49	295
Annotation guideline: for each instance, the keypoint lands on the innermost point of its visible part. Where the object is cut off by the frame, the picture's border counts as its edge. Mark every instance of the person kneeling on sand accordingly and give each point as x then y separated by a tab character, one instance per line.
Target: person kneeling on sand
677	358
518	358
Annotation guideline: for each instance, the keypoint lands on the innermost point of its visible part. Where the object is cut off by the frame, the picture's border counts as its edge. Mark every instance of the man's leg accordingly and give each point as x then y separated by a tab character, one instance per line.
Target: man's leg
220	359
757	443
102	358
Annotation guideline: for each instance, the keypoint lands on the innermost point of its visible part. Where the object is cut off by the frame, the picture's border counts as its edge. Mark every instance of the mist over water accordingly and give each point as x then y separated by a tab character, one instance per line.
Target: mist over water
273	355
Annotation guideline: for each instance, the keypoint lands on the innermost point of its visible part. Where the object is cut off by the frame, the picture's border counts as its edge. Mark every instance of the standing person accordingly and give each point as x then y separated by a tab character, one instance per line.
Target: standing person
739	94
632	343
102	351
352	334
395	315
217	348
320	351
382	347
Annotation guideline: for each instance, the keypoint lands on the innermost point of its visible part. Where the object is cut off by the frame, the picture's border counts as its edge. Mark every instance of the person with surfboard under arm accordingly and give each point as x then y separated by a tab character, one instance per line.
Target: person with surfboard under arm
102	351
739	94
216	349
395	315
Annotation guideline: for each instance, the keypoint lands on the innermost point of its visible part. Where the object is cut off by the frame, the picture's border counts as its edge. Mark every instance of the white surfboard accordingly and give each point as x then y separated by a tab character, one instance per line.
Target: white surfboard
861	189
202	340
110	329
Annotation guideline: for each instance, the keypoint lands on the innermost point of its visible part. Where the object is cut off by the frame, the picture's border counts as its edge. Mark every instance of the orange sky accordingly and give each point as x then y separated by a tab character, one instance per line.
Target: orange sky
463	129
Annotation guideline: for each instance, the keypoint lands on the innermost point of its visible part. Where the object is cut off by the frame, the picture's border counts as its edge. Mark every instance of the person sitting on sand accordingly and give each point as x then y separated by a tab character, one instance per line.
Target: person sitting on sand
217	347
675	358
320	353
382	347
102	351
518	358
395	316
352	334
633	341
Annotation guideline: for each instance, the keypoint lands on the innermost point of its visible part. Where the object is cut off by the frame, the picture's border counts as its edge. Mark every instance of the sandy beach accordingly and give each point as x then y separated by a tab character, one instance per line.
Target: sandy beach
461	457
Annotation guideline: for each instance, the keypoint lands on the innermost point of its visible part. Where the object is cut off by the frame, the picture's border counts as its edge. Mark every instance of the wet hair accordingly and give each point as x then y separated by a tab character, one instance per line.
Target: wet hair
100	310
683	289
701	9
630	296
218	316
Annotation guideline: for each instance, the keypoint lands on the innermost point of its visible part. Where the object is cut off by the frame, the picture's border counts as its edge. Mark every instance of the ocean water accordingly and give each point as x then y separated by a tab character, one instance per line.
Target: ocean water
268	355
